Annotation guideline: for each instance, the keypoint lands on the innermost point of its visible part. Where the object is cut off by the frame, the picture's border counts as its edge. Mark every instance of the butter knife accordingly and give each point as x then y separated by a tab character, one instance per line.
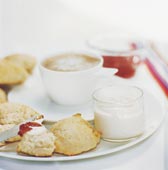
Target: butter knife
12	132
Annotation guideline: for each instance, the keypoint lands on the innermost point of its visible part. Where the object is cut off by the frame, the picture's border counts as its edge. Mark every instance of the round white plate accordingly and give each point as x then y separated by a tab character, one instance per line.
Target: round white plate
34	97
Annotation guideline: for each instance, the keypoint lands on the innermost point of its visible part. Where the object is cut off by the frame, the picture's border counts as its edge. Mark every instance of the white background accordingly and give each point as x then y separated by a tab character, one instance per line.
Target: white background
41	27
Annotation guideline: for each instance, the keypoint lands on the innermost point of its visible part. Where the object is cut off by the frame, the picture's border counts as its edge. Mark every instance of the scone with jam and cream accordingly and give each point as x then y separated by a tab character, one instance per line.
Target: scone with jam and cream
36	140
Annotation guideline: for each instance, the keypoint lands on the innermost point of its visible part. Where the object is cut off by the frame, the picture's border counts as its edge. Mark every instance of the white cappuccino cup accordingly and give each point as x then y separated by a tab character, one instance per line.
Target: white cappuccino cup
70	78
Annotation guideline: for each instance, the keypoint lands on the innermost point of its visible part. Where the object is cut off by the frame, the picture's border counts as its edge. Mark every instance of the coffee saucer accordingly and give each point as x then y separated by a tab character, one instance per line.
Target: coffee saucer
32	93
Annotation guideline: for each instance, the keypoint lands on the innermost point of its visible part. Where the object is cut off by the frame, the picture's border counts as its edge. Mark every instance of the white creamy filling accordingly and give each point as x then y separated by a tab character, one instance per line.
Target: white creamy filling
37	130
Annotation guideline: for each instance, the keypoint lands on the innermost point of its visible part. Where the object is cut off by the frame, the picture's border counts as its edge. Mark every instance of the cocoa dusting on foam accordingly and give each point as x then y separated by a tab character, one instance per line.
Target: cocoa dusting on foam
71	62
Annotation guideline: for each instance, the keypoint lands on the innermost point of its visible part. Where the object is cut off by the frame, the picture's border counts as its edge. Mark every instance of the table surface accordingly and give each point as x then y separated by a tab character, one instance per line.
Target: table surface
147	155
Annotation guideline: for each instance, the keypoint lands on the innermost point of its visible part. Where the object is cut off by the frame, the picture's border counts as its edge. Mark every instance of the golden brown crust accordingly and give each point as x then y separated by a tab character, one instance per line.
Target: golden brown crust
15	113
3	96
11	73
74	136
26	61
13	139
2	144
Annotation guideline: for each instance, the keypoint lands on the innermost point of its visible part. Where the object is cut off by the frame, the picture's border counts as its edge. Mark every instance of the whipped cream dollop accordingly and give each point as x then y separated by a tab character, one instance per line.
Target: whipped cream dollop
37	130
35	127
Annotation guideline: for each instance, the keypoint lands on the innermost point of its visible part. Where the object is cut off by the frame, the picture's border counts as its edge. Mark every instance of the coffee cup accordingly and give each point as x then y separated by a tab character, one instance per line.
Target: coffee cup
70	78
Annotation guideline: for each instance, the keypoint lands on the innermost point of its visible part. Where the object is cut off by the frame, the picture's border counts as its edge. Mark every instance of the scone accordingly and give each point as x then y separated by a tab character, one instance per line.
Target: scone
26	61
37	142
3	97
7	127
11	73
15	113
74	135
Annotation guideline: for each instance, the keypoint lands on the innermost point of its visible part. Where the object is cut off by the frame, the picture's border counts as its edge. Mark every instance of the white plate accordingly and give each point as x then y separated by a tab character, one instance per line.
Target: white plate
27	94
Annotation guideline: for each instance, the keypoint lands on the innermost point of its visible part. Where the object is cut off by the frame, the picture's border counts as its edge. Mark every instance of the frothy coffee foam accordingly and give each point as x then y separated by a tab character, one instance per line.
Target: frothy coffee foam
71	62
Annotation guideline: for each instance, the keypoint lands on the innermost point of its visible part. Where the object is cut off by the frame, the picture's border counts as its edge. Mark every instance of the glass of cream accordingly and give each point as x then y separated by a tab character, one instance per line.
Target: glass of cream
119	112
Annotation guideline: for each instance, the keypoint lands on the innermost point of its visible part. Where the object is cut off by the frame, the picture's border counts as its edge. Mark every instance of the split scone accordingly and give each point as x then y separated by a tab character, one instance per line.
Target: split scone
26	61
11	73
7	127
15	113
37	142
3	97
74	135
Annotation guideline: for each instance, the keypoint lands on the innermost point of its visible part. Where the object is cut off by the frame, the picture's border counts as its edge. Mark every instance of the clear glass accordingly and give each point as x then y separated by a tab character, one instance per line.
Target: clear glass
118	51
119	112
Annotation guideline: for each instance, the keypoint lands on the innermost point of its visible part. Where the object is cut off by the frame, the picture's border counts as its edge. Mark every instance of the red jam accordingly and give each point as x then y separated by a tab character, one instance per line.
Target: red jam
27	127
125	65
